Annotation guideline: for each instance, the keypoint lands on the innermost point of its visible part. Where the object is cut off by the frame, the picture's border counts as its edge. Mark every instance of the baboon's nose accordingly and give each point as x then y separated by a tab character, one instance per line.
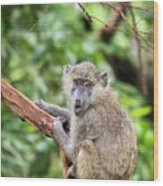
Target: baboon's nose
78	102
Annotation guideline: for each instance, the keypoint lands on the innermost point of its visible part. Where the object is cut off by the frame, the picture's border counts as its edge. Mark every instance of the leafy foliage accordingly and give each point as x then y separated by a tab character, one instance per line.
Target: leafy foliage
37	41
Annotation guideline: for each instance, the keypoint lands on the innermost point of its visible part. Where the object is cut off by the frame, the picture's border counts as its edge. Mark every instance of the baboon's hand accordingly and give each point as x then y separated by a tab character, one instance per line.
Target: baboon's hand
39	103
57	125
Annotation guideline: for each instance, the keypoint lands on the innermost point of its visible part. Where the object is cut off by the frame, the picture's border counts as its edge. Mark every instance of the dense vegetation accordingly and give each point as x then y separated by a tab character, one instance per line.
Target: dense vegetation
37	41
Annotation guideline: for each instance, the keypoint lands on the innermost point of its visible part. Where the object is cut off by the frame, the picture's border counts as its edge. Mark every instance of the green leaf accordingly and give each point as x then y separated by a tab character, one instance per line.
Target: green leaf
140	112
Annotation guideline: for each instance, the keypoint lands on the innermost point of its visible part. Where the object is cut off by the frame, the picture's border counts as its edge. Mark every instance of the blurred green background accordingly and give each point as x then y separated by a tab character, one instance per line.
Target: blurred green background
37	41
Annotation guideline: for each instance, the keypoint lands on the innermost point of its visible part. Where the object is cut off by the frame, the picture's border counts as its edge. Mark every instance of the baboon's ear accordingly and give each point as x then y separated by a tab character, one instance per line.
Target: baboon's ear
67	69
104	79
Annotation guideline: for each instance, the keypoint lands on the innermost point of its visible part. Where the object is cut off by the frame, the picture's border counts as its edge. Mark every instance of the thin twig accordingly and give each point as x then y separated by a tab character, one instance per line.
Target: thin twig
138	38
85	12
91	17
130	25
102	22
139	8
108	26
141	65
120	13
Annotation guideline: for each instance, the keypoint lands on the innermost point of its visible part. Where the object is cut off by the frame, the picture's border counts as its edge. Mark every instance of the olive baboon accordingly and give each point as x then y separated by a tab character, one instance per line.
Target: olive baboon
102	141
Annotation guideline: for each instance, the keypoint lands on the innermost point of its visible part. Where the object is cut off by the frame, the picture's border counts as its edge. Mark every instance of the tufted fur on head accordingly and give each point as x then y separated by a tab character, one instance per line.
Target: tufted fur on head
84	71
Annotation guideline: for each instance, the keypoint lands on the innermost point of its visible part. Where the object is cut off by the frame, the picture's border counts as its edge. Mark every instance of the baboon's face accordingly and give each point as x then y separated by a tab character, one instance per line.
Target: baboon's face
83	85
81	95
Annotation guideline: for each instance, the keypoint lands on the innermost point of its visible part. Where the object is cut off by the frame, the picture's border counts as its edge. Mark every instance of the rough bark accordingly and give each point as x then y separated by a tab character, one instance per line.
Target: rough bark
28	111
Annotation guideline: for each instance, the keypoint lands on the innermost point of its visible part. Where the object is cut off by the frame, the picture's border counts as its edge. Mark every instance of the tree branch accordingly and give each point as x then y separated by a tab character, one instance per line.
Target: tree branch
28	111
108	32
85	12
140	60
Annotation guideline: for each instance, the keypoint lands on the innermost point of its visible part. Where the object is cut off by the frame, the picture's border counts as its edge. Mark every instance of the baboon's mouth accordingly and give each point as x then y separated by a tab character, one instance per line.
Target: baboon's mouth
78	109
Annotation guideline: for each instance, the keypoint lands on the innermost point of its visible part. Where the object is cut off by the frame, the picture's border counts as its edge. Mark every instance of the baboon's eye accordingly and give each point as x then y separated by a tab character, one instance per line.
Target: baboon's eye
78	82
72	90
88	84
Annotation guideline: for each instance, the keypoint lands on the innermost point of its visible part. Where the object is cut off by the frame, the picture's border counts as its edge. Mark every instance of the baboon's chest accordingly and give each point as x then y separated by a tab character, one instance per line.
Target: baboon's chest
78	132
